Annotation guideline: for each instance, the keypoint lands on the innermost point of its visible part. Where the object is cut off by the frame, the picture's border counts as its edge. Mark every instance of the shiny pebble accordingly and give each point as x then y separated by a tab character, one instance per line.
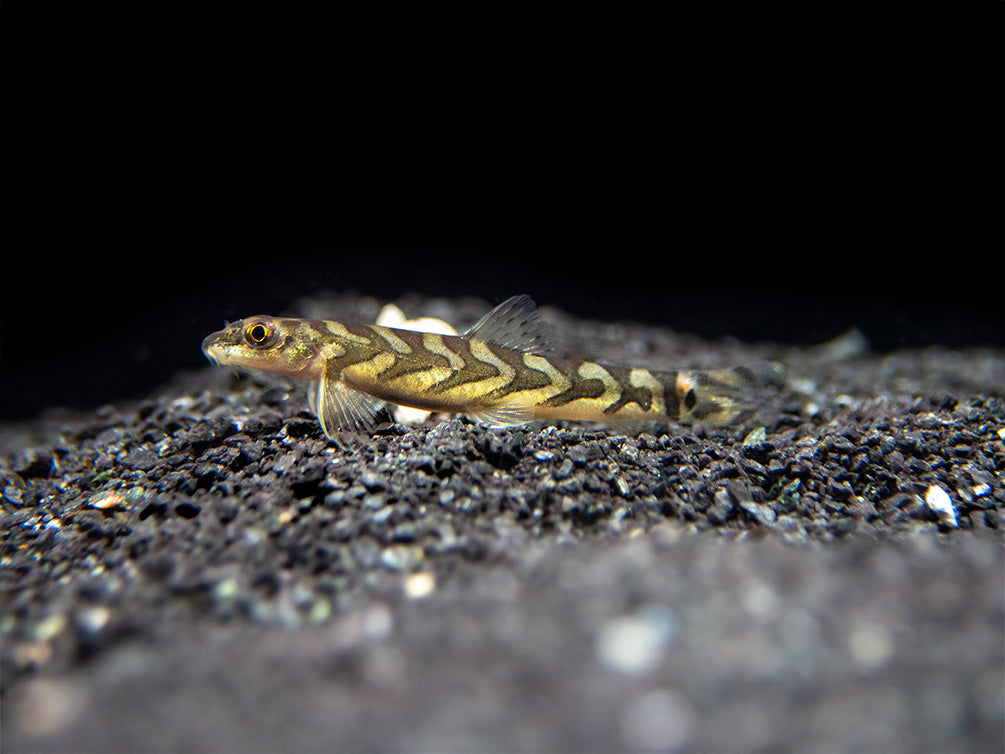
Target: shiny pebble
937	499
633	644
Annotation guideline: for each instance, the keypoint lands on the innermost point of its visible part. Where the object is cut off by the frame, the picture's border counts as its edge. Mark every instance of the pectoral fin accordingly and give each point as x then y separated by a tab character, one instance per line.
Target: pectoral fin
340	408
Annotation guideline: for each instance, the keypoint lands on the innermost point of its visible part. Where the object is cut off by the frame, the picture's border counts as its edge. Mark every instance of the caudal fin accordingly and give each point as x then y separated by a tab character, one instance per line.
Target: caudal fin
733	395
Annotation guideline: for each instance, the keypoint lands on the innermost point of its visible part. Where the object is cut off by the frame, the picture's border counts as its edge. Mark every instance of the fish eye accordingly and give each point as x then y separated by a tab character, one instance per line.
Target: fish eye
259	335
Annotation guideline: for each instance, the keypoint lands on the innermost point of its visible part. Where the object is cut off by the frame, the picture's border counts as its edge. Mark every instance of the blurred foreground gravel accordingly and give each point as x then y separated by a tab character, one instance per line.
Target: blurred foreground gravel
201	571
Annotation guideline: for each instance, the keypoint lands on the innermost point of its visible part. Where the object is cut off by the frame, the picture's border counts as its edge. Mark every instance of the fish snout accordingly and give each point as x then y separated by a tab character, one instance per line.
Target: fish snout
210	347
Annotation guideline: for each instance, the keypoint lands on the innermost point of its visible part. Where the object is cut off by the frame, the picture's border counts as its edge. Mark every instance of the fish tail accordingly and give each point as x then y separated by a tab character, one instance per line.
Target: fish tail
730	396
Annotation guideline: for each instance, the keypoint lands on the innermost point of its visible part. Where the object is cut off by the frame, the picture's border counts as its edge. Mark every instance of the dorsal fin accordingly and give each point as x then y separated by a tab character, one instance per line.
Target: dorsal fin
517	324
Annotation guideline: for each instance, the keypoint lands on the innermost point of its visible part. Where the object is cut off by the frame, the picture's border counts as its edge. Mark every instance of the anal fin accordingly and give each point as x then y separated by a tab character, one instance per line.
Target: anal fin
507	415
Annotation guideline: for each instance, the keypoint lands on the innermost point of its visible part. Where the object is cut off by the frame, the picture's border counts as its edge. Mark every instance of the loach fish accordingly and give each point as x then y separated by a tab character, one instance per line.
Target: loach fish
501	372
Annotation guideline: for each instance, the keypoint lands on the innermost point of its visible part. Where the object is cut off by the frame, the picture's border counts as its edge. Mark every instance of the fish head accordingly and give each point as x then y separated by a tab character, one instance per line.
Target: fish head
272	344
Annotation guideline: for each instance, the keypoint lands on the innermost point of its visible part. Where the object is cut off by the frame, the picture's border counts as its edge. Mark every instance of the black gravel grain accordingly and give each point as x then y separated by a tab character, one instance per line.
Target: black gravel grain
201	570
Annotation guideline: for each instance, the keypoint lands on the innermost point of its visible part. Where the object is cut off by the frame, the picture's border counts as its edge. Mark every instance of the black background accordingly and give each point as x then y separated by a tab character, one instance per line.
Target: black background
769	171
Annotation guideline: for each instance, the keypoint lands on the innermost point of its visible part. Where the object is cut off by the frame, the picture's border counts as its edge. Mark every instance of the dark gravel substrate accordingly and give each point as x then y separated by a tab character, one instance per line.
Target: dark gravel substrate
201	570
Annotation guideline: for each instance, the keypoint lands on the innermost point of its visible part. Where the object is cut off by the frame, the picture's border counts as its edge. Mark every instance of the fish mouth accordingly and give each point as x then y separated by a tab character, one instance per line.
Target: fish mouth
211	349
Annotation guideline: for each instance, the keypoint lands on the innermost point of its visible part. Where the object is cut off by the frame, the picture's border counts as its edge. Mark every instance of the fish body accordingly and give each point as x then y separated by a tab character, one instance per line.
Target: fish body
501	372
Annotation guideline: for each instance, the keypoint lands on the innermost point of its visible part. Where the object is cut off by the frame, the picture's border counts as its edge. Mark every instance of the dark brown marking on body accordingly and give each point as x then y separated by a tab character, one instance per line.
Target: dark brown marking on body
629	393
414	341
318	326
356	353
402	367
524	377
671	401
474	370
705	409
363	331
746	374
580	388
419	360
690	399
